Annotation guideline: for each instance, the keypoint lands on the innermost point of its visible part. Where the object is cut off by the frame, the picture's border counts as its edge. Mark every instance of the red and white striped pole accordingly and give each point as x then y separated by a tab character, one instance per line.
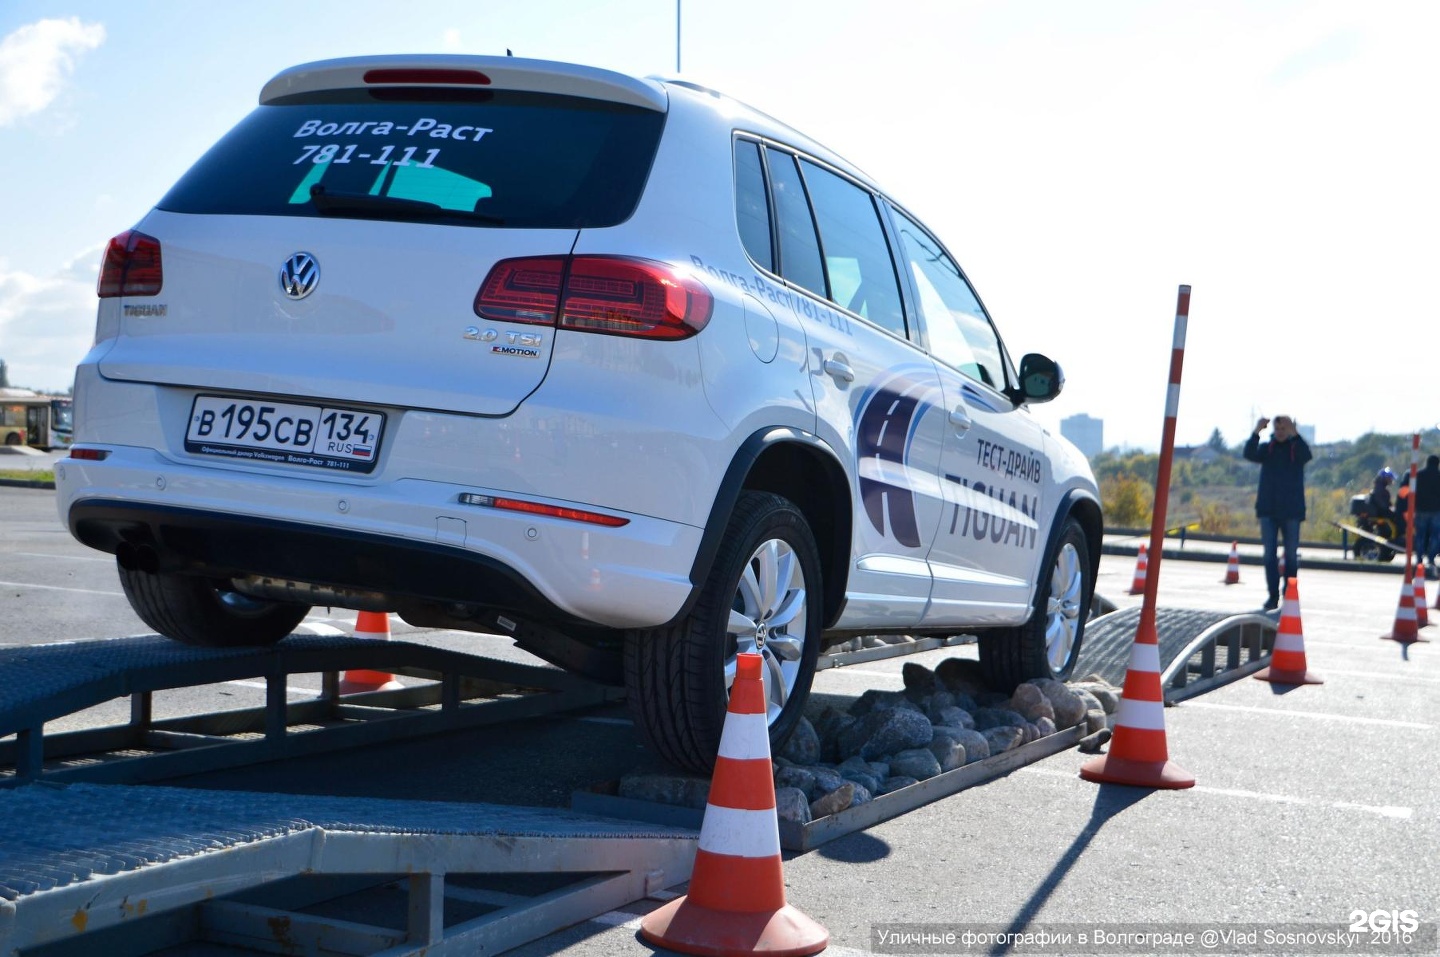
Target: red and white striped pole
1138	751
1410	507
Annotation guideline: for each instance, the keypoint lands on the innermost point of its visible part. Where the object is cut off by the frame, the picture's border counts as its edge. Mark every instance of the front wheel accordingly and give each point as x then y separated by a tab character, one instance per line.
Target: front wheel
763	596
1047	645
206	612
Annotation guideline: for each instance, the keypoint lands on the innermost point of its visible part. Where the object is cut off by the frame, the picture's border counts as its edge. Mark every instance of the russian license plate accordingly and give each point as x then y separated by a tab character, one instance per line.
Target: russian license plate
254	429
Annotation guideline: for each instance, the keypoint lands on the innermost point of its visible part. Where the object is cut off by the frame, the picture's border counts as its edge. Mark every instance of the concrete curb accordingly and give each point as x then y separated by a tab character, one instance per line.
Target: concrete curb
26	483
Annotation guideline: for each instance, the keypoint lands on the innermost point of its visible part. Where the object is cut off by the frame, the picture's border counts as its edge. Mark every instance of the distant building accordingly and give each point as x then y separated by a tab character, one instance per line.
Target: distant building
1307	432
1086	432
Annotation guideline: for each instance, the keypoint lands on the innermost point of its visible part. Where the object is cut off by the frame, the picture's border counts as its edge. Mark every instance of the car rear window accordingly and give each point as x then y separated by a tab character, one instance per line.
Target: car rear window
482	158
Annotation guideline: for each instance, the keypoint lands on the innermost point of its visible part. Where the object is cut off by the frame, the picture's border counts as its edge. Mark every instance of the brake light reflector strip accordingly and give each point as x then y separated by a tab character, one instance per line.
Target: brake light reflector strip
537	508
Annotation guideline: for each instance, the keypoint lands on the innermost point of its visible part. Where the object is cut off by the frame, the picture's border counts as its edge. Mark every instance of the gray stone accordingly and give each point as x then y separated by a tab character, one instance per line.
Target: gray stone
987	718
1107	695
826	779
1003	738
864	779
1095	720
938	702
1069	710
915	763
833	802
1046	727
830	726
956	717
791	804
1030	703
961	674
673	789
947	751
876	700
799	779
1091	702
885	732
918	678
803	747
863	795
976	745
896	783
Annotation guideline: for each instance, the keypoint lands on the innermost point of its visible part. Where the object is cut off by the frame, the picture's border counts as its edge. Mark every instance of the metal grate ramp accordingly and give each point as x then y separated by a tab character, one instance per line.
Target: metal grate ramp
1198	649
83	866
44	682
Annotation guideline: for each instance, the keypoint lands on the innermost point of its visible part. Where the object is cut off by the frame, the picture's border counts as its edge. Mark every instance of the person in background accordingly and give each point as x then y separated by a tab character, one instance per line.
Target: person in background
1280	501
1380	495
1427	515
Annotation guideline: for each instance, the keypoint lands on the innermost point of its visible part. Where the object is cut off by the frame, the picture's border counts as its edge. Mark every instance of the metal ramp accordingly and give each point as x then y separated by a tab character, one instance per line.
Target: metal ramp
90	869
1191	644
44	682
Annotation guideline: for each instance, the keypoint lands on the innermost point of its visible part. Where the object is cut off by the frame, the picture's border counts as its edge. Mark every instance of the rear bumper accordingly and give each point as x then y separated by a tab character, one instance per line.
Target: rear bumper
411	540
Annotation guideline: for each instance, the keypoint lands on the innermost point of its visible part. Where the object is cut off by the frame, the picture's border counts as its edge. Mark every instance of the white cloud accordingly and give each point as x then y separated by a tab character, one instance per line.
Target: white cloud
35	61
47	322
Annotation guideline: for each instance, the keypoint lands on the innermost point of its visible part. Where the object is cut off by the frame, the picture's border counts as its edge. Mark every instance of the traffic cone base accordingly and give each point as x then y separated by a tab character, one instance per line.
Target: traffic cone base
736	899
373	625
1108	769
1407	626
1282	676
691	929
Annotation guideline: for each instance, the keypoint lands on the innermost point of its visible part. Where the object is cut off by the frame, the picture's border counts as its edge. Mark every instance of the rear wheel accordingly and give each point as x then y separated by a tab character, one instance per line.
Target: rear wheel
763	596
1047	645
207	612
13	438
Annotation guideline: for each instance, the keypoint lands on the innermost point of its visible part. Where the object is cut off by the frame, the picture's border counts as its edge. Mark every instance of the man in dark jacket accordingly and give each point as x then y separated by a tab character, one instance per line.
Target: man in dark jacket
1427	514
1280	503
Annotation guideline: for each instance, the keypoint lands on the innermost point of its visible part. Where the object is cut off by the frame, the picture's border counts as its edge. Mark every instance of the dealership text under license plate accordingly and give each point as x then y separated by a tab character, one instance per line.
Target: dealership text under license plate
319	436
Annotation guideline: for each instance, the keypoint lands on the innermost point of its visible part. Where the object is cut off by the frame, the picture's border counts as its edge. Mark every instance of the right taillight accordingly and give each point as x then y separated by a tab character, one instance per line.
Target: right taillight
131	266
611	295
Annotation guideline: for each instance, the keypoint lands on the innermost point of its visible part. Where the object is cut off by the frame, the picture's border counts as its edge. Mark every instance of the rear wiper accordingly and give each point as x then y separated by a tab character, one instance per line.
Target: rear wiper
330	201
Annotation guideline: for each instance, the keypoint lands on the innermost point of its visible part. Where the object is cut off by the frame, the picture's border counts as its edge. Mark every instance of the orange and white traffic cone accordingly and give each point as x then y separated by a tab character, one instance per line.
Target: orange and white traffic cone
1422	604
736	900
1287	658
369	624
1232	568
1139	753
1142	563
1407	623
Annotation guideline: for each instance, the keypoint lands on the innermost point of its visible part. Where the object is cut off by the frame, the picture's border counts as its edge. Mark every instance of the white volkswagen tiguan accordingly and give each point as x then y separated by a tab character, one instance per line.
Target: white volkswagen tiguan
621	368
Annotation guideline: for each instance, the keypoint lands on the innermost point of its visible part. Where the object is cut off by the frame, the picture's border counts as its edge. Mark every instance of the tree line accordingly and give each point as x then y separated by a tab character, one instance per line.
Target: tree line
1212	484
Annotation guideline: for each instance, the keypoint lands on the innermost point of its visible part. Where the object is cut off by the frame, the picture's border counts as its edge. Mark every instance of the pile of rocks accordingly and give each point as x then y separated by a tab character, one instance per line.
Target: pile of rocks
887	740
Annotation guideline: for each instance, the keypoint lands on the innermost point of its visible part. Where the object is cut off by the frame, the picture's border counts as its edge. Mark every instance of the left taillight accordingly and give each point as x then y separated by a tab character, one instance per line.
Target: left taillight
611	295
131	266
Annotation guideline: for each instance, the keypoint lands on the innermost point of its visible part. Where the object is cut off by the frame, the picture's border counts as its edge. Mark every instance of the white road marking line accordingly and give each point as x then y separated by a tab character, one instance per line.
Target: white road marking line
1385	722
1382	675
1400	813
289	689
82	591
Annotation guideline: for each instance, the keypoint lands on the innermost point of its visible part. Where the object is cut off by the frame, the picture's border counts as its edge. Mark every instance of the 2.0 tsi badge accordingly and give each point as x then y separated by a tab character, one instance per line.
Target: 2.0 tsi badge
299	276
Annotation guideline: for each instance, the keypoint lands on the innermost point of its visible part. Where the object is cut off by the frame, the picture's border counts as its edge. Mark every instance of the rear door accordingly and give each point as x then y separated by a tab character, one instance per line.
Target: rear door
332	244
874	391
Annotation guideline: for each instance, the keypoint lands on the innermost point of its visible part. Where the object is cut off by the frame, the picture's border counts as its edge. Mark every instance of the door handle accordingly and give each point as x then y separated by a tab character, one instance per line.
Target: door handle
839	368
960	418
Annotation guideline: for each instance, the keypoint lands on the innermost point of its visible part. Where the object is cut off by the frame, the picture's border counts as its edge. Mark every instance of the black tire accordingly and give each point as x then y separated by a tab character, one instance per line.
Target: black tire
766	574
203	611
1048	645
1363	549
13	438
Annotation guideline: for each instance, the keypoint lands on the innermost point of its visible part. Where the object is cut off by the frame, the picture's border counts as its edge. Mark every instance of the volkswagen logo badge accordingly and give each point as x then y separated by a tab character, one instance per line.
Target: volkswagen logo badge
299	276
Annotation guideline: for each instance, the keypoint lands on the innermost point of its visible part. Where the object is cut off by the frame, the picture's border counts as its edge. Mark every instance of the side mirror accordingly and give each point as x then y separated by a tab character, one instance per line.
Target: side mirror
1041	378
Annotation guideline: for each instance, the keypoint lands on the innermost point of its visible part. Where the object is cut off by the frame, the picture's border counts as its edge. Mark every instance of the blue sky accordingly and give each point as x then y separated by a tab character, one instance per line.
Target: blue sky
1081	159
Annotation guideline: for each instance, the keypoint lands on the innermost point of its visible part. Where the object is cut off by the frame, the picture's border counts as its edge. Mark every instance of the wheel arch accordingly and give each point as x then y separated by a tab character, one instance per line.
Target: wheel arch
1084	507
803	469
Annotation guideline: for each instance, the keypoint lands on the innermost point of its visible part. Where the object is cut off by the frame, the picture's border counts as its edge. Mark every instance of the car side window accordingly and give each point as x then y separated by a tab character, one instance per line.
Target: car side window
857	256
799	247
752	204
960	334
